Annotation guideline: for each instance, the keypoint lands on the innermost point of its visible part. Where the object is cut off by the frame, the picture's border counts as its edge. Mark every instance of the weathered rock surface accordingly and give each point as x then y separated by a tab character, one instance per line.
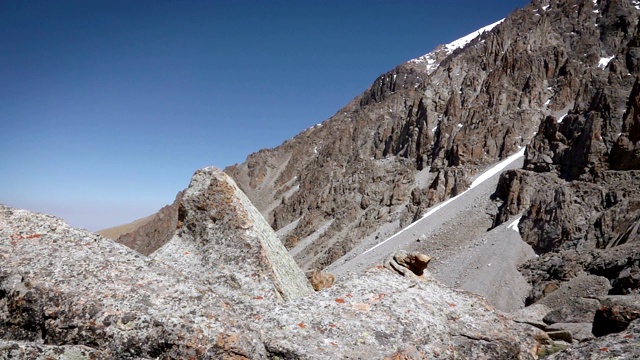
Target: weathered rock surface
579	331
218	290
65	287
367	315
615	314
578	189
408	264
224	241
31	351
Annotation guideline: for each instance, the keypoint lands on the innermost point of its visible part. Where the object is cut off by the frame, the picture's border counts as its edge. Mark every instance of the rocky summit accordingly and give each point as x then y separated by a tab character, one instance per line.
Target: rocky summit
223	271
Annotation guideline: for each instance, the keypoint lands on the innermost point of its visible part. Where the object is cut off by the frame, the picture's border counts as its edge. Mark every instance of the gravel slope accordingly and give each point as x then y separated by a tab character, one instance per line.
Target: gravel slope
465	254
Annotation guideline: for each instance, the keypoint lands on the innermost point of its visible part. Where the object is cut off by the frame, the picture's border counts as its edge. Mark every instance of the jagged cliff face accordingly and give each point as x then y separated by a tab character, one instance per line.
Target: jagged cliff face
422	130
579	191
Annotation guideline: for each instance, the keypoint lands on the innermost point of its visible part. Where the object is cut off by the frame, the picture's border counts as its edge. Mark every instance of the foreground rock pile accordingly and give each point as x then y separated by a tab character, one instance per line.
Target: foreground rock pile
222	287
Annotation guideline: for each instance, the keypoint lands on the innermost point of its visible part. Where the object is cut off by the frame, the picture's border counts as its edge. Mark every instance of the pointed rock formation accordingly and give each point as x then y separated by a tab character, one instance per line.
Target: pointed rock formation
222	239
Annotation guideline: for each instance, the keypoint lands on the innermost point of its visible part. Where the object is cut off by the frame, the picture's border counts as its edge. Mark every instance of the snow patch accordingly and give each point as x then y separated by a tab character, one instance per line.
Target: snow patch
514	224
547	102
604	61
545	7
467	39
496	169
430	58
459	125
561	118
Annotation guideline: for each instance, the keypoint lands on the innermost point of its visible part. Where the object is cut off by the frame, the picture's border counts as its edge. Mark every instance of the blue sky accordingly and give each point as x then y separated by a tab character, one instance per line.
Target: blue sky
108	107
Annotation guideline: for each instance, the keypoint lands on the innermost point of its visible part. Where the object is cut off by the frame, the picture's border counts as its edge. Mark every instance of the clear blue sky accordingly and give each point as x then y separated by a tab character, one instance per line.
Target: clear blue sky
108	107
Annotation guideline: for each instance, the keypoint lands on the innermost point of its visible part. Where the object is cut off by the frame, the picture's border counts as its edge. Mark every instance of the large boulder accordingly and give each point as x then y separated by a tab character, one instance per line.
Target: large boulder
224	287
224	241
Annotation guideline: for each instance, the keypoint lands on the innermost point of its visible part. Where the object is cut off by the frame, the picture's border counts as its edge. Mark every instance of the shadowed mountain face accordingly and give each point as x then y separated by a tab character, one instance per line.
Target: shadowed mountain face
422	130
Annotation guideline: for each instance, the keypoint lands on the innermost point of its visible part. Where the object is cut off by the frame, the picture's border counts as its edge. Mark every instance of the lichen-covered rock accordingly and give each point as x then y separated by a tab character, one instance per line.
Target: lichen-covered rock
62	286
379	313
223	240
67	292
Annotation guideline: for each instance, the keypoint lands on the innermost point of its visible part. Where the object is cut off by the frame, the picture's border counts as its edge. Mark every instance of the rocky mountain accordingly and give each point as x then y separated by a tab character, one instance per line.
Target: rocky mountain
579	190
420	133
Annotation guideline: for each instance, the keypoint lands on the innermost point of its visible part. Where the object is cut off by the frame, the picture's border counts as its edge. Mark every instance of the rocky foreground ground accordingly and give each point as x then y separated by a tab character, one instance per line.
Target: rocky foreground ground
223	287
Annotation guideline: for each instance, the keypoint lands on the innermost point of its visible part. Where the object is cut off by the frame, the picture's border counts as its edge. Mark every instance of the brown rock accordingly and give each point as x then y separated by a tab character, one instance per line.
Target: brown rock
579	331
321	280
563	335
616	313
408	263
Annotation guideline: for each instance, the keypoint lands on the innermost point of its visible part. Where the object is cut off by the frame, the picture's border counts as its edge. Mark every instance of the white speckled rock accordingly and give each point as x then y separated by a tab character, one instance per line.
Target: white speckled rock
63	286
382	314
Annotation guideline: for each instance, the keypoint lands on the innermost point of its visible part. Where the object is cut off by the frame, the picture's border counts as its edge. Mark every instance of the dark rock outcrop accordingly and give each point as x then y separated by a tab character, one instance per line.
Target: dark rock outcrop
578	190
615	314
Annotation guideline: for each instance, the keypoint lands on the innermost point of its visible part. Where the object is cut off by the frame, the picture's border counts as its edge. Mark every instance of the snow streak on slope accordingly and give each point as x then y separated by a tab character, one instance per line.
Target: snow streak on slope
431	58
480	179
514	225
467	39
